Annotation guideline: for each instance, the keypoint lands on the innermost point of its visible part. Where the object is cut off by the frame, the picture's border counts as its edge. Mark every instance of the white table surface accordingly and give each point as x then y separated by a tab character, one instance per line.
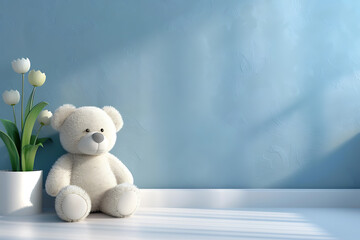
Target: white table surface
185	223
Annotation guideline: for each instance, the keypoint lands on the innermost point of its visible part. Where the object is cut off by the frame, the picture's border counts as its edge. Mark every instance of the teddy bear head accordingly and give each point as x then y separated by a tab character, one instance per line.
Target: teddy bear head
87	130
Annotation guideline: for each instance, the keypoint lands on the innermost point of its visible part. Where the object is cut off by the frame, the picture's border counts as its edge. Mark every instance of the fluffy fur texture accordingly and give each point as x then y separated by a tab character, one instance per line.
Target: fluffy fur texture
88	178
115	116
120	200
61	114
72	204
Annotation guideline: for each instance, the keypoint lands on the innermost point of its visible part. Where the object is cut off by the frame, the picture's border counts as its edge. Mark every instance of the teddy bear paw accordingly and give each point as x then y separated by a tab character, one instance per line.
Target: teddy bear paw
121	201
72	204
127	203
74	207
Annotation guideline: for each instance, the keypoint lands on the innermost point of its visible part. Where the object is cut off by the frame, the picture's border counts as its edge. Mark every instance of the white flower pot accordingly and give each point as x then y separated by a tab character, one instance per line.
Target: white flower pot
20	192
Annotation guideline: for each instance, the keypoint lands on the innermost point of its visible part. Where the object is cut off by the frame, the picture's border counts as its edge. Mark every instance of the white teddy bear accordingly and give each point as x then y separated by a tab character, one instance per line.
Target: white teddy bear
89	178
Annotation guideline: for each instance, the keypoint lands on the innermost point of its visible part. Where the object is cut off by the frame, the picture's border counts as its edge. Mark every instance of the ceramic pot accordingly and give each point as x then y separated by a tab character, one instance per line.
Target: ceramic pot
20	192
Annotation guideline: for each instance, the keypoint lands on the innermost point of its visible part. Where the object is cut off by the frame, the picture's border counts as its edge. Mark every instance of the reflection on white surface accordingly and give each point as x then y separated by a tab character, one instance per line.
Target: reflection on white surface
176	223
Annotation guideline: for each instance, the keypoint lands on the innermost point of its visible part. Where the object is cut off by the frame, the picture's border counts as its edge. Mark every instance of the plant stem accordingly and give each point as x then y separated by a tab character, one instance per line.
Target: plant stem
19	164
22	102
33	96
37	133
14	114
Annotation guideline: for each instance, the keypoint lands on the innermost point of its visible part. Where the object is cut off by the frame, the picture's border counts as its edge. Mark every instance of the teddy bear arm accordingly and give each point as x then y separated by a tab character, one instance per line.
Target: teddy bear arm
59	175
121	172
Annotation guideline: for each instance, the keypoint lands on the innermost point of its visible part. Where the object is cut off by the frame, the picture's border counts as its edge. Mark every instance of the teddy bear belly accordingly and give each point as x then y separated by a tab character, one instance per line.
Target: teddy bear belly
95	177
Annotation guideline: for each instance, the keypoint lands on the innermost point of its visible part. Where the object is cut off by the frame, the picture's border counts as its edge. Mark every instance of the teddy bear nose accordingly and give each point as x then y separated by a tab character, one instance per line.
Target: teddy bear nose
98	137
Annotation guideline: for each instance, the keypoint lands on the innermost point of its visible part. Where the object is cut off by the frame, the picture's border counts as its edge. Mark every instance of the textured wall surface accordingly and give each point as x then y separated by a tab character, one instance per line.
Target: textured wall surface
214	94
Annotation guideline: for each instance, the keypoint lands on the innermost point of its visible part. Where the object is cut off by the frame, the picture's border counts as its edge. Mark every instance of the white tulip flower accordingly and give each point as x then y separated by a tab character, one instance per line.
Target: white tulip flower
11	97
44	117
36	78
21	65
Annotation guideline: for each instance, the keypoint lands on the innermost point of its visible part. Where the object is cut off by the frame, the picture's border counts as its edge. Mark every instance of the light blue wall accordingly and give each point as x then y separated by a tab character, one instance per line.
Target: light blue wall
214	94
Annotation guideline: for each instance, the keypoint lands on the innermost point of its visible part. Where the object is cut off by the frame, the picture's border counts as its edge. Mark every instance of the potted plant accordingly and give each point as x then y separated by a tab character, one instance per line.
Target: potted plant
21	188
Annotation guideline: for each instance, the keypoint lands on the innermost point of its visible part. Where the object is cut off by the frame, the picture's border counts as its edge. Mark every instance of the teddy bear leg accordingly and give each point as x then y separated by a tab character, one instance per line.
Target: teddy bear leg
121	201
72	204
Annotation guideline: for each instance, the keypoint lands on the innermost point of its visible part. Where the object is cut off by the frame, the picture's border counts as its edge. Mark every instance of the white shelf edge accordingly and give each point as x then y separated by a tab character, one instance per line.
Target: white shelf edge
244	198
251	198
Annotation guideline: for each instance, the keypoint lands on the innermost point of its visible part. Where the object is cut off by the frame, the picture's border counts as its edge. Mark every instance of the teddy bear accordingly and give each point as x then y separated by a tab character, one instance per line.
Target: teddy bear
88	178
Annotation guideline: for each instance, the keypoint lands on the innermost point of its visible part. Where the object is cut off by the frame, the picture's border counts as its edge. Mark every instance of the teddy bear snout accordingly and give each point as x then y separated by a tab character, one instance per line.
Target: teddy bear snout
98	137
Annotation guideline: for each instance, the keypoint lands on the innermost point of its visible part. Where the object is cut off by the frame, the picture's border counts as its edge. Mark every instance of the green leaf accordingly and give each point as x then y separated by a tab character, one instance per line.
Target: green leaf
13	153
39	140
30	102
29	123
28	128
13	132
28	153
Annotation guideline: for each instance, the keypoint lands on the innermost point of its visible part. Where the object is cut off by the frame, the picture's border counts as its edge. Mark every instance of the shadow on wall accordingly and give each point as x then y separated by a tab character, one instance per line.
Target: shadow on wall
339	169
46	157
229	85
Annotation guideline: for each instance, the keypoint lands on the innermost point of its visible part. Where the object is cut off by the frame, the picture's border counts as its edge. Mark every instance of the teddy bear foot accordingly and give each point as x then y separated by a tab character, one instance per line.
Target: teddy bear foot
127	203
72	204
121	201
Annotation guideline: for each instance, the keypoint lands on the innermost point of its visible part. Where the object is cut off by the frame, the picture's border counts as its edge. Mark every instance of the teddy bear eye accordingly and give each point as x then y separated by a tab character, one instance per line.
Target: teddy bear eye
87	130
102	130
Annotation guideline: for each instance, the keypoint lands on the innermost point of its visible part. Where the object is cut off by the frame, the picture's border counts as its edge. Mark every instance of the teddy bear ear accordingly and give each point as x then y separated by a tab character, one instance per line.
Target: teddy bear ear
115	116
61	114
